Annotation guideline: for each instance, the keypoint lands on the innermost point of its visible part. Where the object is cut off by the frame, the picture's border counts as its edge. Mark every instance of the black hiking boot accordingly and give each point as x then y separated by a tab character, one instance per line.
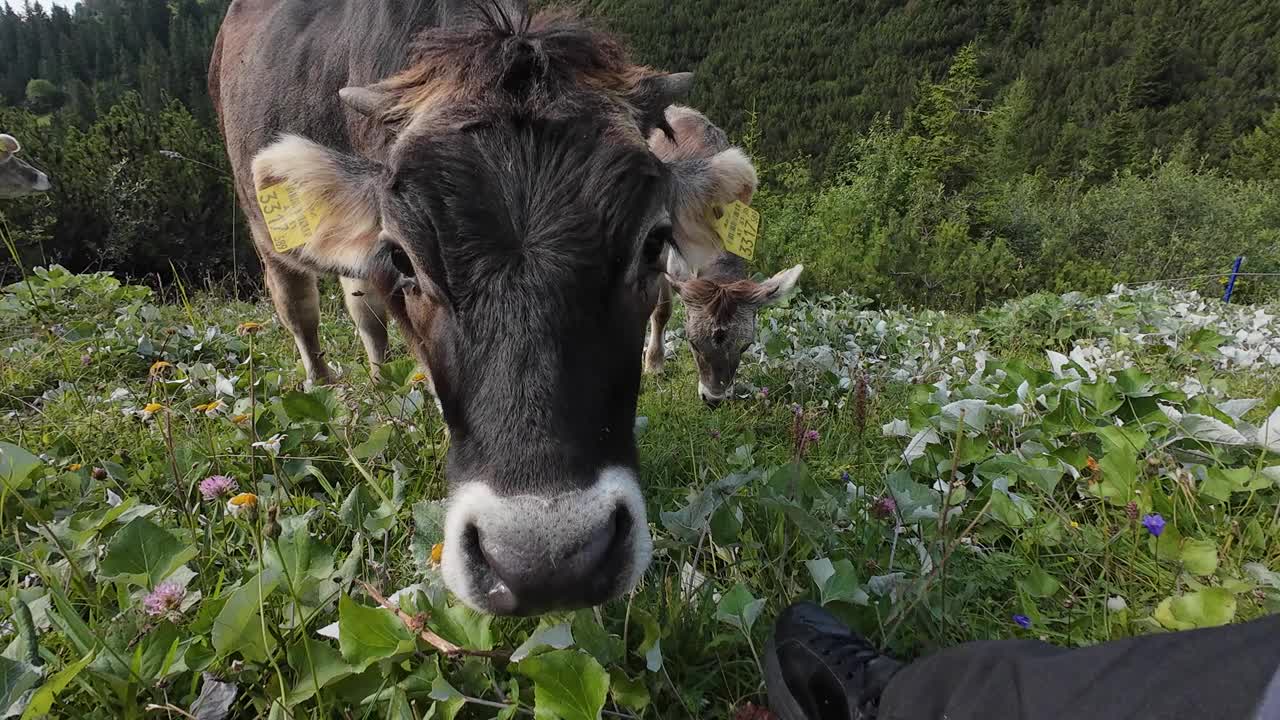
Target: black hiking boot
818	669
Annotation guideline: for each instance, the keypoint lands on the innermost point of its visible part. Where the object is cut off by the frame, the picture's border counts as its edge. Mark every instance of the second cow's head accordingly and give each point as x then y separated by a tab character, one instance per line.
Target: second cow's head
516	219
721	300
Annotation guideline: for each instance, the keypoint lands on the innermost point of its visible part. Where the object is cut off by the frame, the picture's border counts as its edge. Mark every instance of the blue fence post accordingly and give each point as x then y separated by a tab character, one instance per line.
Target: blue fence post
1231	282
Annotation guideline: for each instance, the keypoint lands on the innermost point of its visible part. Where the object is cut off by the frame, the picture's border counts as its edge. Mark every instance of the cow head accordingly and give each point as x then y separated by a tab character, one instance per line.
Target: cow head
721	302
17	178
516	221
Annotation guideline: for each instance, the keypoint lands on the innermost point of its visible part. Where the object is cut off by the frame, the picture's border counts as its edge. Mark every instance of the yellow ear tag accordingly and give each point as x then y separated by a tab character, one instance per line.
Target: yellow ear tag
739	228
291	217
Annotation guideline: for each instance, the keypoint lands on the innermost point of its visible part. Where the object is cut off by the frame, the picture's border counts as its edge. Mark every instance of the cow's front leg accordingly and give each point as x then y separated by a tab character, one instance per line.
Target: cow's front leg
655	353
297	301
369	312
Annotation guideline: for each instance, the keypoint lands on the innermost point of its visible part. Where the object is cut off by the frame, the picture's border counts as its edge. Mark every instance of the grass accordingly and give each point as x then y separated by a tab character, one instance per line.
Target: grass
956	480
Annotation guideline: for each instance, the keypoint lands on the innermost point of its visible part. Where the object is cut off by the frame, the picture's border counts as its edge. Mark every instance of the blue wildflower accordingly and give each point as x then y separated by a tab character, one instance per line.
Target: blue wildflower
1154	524
1022	621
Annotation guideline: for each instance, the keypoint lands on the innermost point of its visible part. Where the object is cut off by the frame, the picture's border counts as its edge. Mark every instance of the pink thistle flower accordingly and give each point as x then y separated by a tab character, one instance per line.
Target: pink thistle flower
811	436
165	600
217	486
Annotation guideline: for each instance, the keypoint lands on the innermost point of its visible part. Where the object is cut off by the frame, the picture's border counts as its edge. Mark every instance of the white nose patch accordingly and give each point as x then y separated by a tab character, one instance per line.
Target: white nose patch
551	525
706	393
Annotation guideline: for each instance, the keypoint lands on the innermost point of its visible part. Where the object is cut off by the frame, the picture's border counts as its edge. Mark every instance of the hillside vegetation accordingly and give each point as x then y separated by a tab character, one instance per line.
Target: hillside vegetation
948	155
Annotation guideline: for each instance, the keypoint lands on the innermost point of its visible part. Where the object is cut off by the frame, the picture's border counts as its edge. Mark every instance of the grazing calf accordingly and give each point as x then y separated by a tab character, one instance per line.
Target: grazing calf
17	178
481	173
721	301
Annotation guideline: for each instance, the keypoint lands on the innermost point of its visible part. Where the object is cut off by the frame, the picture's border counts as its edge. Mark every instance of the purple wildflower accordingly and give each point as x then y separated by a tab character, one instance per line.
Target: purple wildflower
1154	524
811	436
764	393
715	434
844	476
217	486
1022	620
885	507
165	600
796	409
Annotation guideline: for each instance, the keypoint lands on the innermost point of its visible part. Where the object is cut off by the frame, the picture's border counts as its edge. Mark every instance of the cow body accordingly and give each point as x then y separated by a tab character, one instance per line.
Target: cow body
17	177
485	180
721	300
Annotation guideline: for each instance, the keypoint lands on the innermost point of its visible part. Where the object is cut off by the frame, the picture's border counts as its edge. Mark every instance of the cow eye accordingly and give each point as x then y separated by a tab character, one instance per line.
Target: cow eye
400	259
659	237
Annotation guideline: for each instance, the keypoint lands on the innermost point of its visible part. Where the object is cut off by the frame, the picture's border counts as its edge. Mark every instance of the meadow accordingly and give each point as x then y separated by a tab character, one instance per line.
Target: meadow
189	532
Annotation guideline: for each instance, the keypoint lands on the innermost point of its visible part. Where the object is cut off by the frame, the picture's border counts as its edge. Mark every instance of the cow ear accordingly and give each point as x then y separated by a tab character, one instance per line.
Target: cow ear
8	146
653	95
778	286
338	192
368	101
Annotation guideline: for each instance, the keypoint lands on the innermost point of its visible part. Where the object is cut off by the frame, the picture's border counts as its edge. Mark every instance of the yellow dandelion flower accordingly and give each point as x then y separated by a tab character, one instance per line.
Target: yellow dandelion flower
242	503
159	368
249	327
1075	525
153	408
209	408
437	553
74	467
418	378
240	419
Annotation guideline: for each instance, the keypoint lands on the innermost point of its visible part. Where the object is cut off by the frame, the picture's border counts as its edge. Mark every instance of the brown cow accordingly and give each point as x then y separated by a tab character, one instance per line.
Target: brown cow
17	177
483	174
721	301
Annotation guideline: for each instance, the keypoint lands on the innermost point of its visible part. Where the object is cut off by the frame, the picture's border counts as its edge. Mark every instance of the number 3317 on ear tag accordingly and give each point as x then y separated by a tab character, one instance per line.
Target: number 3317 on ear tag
739	228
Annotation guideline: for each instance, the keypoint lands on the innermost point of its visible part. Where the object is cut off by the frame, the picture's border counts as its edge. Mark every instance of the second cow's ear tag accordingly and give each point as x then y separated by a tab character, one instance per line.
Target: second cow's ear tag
738	226
292	218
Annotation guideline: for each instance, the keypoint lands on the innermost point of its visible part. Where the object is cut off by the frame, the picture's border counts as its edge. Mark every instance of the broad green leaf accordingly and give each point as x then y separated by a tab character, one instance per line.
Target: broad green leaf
837	582
42	701
1220	483
567	684
1119	475
448	700
1211	607
1133	383
16	678
691	521
304	406
1211	430
157	652
739	608
630	694
1039	584
16	467
303	563
462	626
1125	438
363	509
1200	557
1102	396
144	553
318	665
376	443
915	502
368	634
239	626
590	636
556	637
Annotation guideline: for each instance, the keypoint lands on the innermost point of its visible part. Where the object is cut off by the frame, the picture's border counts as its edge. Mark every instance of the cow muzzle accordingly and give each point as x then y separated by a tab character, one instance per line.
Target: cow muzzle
530	554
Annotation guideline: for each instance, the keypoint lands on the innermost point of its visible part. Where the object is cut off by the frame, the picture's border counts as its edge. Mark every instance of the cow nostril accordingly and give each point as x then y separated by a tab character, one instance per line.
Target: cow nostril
529	577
